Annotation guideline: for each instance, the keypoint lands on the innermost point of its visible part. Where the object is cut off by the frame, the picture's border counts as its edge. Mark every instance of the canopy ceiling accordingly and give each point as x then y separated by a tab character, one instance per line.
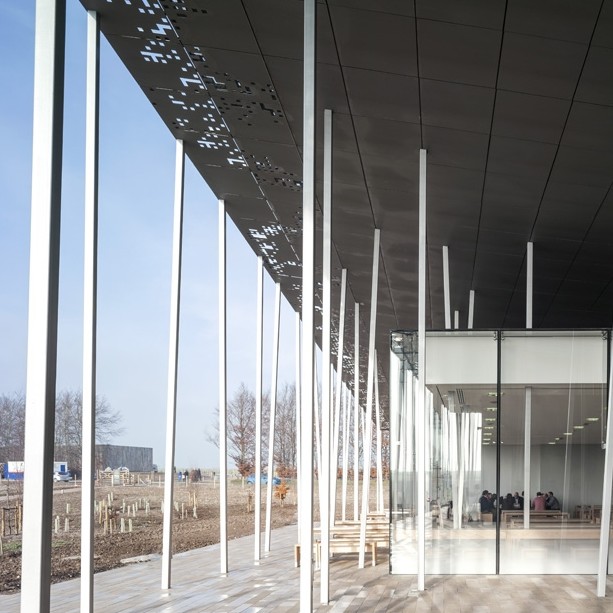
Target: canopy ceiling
512	100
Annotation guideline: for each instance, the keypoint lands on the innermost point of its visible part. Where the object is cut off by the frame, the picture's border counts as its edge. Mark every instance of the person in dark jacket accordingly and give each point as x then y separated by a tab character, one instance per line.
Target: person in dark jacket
551	502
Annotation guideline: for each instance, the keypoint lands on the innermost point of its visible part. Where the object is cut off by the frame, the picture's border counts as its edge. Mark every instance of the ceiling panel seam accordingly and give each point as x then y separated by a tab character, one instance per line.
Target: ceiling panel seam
489	143
363	173
553	162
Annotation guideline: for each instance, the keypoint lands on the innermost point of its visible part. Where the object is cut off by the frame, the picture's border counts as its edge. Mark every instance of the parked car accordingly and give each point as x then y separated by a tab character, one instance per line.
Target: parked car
263	479
62	476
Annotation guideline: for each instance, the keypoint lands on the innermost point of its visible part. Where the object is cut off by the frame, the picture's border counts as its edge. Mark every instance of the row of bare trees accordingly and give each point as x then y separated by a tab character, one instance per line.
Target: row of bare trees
68	426
241	433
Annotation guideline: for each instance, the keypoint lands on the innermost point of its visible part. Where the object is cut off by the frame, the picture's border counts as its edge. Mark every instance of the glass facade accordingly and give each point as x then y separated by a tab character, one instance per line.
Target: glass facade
509	414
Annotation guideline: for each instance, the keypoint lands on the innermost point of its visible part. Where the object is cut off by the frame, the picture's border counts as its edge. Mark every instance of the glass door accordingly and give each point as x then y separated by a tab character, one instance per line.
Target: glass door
553	398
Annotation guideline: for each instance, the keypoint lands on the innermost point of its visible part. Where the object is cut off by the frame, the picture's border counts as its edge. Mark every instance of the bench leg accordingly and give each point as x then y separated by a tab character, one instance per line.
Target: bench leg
374	554
296	556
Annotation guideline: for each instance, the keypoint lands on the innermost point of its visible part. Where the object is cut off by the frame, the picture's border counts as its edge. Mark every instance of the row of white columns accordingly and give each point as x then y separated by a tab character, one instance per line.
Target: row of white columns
42	337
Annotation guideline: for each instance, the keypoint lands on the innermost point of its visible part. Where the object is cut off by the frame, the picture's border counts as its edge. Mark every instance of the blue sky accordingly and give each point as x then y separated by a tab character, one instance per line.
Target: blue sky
135	225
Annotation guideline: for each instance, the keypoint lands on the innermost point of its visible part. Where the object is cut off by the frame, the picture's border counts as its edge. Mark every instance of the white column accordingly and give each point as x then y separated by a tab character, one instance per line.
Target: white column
356	413
605	519
456	320
369	393
308	291
223	394
324	468
90	276
337	396
43	302
527	459
471	308
529	282
273	413
421	395
298	418
346	404
380	504
528	405
258	411
173	360
446	287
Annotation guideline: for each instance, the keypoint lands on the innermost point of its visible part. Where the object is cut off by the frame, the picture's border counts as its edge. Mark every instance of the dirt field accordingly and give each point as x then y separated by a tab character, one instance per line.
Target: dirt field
146	537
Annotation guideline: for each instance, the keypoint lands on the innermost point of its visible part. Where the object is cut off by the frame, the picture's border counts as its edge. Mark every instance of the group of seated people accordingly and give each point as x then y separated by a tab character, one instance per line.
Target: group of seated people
489	502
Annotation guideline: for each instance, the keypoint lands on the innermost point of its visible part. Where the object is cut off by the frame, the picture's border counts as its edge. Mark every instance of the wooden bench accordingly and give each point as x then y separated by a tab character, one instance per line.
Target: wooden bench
345	538
513	518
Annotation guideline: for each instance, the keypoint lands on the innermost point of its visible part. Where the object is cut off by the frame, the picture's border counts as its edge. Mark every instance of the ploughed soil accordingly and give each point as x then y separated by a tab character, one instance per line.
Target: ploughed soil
191	529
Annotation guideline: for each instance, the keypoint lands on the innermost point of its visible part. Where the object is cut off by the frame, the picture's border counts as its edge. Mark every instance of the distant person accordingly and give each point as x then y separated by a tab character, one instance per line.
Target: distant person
518	501
508	502
179	476
551	502
486	505
538	503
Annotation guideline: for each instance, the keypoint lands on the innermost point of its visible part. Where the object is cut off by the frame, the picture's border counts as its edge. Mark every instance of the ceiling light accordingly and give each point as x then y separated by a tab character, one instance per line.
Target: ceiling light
592	419
551	443
578	427
490	419
558	438
491	409
567	433
488	427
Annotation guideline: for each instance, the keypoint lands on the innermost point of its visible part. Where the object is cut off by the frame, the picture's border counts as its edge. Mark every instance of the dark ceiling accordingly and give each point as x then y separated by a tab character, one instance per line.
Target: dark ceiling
513	101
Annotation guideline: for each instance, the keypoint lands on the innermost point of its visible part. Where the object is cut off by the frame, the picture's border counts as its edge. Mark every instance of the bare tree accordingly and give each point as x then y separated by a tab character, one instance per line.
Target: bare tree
69	426
285	432
241	429
12	426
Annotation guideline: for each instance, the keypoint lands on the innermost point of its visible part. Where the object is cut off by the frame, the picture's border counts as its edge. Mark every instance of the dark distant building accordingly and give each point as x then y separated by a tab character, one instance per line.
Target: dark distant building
137	459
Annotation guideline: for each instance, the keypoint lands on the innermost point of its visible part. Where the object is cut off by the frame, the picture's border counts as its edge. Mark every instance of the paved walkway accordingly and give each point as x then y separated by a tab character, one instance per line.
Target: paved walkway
273	586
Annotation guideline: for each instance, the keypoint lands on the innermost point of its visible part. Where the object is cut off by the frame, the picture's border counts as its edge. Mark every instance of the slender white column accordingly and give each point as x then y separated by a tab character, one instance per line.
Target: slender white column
356	413
421	395
173	361
528	406
471	308
456	320
90	285
529	282
298	417
258	411
346	404
369	394
337	396
527	460
273	413
317	412
223	394
43	302
308	290
380	504
605	519
446	287
324	468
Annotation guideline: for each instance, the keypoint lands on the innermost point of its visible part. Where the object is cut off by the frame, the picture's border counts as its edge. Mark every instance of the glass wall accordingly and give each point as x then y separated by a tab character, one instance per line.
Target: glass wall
553	395
508	414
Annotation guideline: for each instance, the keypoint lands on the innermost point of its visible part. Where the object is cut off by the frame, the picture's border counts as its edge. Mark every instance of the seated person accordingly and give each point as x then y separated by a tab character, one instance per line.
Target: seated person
538	504
508	502
518	501
485	502
551	502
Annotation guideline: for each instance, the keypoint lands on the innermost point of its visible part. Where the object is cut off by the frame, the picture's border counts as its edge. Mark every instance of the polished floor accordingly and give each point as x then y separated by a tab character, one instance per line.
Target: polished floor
272	585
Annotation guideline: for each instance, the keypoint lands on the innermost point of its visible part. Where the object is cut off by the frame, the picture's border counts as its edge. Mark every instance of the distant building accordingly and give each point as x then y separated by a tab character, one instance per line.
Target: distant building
137	459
